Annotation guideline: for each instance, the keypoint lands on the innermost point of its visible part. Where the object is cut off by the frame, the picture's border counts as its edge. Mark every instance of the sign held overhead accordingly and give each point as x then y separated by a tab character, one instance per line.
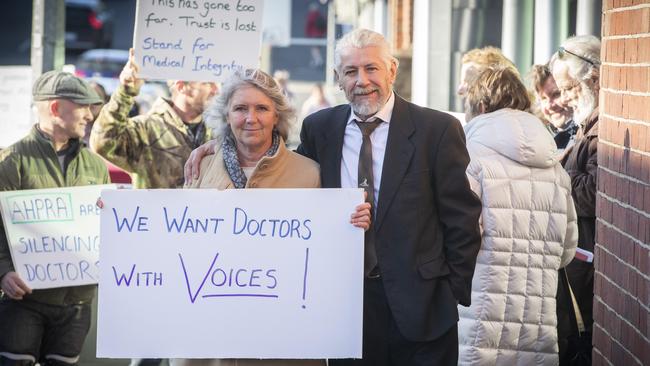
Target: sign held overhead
197	40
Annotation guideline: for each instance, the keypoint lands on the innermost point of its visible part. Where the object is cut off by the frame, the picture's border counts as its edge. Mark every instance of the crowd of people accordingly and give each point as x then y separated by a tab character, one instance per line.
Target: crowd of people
469	230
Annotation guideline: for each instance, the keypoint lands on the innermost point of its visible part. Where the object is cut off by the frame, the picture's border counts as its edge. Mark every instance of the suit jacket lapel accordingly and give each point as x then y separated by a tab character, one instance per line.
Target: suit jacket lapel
330	153
399	151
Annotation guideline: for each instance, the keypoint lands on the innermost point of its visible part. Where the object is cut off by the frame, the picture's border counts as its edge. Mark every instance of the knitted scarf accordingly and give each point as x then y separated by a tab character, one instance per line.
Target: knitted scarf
229	148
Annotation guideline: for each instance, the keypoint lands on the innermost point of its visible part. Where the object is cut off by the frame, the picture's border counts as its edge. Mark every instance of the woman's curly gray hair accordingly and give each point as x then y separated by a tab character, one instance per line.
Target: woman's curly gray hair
216	114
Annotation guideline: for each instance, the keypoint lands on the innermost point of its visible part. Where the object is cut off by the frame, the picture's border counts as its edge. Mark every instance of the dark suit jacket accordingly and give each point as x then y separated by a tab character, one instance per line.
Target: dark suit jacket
427	232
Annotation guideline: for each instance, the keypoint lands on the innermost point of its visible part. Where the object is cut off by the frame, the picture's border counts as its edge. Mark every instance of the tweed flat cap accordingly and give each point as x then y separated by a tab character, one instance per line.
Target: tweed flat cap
57	84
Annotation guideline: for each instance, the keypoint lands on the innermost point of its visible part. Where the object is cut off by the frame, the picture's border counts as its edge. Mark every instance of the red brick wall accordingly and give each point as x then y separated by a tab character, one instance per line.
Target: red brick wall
622	280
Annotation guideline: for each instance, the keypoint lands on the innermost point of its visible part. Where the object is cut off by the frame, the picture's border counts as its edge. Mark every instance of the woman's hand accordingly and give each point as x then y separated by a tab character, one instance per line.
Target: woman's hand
361	217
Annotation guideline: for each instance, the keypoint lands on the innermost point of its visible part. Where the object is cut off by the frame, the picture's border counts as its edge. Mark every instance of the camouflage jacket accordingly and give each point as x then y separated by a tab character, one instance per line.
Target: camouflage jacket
32	163
152	147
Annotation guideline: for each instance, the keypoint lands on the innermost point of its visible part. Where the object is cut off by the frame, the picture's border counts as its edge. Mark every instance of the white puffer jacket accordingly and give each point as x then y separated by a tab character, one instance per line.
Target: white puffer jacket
529	232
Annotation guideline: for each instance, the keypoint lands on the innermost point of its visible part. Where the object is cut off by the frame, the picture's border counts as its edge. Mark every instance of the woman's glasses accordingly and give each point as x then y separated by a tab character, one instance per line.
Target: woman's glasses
562	51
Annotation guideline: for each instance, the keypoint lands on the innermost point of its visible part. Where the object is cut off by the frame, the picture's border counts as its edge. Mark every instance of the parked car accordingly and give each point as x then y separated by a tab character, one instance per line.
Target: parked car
87	25
101	63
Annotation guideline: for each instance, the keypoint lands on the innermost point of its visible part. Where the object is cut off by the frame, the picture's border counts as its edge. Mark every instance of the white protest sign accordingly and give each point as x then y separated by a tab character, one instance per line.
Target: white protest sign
53	234
259	273
15	103
199	40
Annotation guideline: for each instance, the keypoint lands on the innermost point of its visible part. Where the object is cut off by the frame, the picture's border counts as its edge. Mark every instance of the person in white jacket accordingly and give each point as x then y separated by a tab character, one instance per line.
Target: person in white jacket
528	225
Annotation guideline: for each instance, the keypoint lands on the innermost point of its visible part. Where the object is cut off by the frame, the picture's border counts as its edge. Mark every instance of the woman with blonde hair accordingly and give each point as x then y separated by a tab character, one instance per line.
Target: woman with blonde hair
528	226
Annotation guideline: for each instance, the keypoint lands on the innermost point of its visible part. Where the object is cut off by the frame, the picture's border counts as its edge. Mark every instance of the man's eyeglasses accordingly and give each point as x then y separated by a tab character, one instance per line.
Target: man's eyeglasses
562	51
568	88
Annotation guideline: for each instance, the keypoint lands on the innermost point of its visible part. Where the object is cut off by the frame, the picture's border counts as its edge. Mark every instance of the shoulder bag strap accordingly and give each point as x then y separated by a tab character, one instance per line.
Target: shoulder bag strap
576	308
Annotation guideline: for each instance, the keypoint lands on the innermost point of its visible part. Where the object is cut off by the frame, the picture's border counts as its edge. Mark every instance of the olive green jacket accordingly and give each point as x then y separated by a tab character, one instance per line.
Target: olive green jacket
31	163
152	147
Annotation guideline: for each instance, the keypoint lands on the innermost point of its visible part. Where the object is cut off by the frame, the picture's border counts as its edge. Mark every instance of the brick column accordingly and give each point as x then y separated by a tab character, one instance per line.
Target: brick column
622	282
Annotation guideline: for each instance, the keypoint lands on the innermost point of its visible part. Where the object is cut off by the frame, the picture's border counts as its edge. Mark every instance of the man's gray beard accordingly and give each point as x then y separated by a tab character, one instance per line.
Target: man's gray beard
586	105
366	108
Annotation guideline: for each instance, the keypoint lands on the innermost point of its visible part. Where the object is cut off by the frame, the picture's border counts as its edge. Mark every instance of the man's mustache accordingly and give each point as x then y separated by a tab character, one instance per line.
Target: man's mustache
362	91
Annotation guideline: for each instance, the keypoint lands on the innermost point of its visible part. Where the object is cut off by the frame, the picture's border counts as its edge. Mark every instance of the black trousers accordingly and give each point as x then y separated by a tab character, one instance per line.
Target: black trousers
42	332
384	344
581	278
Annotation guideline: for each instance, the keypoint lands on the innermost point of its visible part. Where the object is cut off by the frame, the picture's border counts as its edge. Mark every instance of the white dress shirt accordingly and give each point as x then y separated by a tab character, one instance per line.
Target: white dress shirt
352	144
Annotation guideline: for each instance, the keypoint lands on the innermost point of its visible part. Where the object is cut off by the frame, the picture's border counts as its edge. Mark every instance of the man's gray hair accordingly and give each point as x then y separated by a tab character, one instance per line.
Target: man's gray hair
578	50
216	114
362	38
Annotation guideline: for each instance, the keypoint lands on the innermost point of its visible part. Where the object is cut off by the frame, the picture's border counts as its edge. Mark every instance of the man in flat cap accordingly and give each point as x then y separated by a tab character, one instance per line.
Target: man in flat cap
48	326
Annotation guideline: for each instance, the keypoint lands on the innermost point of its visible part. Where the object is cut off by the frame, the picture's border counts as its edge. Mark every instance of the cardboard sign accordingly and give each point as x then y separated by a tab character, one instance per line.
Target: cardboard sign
53	234
260	273
15	103
202	40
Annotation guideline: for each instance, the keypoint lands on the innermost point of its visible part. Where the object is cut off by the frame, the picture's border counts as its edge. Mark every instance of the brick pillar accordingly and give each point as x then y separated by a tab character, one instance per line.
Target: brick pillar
622	280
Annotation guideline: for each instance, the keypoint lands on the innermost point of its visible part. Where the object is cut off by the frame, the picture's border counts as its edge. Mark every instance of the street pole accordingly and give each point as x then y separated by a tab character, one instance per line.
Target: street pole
588	15
551	28
48	42
517	33
331	39
430	78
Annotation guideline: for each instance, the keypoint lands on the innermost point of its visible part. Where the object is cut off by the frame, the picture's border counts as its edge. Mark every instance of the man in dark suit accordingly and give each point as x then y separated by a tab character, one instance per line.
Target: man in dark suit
421	248
425	229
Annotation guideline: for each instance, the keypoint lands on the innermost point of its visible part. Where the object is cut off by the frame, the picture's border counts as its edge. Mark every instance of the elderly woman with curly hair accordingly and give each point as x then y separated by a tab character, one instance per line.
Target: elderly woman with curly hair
254	117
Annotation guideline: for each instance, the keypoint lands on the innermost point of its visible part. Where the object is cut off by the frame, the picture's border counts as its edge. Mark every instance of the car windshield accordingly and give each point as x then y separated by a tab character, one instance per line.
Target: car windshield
104	63
100	67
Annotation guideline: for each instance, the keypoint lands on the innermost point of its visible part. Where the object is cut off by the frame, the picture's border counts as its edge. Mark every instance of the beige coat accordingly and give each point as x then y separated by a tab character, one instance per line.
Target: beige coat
285	169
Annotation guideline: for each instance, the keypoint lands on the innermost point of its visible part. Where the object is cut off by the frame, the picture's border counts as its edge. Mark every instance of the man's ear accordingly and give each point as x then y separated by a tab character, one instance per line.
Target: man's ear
595	78
393	71
181	86
336	77
53	107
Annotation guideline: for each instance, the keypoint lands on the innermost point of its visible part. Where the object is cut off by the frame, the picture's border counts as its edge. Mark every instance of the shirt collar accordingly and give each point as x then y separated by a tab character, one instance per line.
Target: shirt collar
384	113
